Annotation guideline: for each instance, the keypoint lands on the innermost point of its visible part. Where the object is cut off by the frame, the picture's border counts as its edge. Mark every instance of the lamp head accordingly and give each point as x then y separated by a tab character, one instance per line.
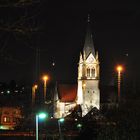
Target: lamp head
119	68
45	77
61	120
42	115
35	86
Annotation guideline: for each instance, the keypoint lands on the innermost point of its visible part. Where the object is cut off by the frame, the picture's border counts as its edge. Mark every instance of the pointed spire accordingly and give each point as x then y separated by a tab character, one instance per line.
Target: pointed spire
96	55
89	45
81	58
84	55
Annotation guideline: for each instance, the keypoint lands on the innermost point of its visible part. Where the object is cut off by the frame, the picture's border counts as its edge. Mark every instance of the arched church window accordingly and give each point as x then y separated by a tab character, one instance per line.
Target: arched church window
88	72
92	72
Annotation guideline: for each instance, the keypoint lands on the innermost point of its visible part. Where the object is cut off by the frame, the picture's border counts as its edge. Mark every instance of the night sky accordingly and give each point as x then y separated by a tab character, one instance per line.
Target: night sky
61	28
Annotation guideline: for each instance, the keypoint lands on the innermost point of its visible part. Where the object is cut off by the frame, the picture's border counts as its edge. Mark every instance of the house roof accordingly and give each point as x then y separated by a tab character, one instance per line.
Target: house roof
67	93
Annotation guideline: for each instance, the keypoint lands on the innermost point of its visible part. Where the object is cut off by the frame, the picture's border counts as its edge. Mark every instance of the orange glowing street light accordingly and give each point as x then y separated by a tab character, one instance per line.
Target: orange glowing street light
119	70
45	79
34	88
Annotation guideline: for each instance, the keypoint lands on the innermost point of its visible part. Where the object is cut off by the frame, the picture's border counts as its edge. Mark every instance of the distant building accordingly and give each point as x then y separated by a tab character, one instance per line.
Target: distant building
86	93
9	117
14	100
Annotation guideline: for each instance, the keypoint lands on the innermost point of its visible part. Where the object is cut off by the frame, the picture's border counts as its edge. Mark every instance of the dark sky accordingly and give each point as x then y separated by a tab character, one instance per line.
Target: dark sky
60	36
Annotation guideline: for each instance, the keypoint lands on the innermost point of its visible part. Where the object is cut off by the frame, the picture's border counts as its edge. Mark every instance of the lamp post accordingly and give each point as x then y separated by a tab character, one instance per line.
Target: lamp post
61	120
119	70
34	87
45	79
39	116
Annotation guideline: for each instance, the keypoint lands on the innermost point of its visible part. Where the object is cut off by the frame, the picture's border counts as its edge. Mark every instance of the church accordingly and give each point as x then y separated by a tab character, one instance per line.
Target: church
86	92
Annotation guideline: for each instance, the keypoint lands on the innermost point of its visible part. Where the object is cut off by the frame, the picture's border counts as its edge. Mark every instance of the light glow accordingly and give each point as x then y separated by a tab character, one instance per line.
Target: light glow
42	115
7	127
79	125
45	77
80	93
119	68
84	85
35	86
61	120
8	91
5	119
1	127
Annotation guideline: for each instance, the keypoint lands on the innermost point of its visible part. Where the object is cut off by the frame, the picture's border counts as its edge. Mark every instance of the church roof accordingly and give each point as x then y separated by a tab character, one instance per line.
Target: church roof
89	45
67	93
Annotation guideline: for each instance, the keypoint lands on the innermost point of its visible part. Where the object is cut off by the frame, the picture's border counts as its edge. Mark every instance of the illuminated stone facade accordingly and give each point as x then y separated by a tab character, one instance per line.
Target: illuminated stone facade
88	93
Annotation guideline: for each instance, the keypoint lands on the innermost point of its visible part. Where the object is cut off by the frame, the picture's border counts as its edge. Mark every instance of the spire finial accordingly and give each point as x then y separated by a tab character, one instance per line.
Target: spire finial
88	18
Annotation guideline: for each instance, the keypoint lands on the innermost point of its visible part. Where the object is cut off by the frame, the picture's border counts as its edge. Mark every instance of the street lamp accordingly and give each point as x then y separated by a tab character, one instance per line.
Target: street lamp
79	126
41	115
119	70
61	120
45	79
34	87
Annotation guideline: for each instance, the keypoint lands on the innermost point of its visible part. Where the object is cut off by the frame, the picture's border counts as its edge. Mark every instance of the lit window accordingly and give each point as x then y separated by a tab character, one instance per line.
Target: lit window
92	72
6	119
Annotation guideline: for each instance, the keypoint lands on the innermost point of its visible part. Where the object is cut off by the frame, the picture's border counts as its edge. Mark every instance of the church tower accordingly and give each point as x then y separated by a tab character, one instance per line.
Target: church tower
88	95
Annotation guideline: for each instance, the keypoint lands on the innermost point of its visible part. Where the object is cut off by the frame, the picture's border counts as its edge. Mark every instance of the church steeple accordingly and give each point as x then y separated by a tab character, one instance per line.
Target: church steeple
89	45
